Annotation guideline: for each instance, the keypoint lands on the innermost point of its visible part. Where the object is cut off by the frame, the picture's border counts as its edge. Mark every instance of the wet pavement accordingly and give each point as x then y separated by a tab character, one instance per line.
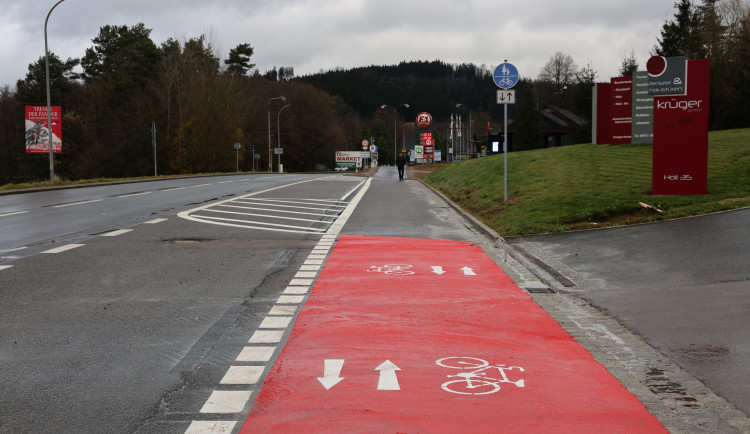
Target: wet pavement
683	285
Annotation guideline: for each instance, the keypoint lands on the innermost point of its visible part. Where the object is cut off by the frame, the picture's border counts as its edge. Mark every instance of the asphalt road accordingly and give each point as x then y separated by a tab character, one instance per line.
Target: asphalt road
123	308
684	285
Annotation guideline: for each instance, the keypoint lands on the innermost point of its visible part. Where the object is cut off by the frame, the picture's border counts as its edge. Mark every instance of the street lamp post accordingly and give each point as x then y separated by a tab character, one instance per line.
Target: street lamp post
270	156
395	121
49	99
278	131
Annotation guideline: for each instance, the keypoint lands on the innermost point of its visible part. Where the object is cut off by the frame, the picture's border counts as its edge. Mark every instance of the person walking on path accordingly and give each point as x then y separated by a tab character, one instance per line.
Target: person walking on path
400	163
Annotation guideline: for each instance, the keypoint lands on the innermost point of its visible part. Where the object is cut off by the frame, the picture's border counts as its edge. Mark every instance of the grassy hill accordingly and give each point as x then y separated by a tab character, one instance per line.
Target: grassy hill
588	186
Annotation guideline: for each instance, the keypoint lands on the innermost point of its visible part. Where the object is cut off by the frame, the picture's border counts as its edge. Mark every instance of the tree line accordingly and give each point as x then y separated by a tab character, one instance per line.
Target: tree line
202	105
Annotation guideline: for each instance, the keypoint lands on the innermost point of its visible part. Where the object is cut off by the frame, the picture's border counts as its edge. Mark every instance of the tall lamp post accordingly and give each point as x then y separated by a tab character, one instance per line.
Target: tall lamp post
49	99
278	131
395	121
270	156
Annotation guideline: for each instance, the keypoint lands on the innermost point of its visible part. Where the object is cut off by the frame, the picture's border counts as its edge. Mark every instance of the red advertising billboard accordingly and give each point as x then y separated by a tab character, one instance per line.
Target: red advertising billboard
37	132
602	113
621	110
680	154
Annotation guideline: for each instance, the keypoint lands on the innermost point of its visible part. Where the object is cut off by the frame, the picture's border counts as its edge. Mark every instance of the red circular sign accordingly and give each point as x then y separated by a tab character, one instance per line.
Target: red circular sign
656	66
424	120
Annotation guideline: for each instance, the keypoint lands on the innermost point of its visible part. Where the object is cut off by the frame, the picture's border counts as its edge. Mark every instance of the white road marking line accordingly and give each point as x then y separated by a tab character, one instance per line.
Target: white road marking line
344	216
243	375
77	203
276	217
135	194
200	185
301	282
116	233
5	267
313	261
274	211
64	248
311	256
289	299
211	427
275	322
283	310
266	337
310	267
305	275
154	221
226	401
256	354
174	189
226	182
249	224
13	213
296	289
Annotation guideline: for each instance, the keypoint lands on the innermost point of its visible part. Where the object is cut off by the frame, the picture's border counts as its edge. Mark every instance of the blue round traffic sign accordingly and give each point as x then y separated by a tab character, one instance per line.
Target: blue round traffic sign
505	76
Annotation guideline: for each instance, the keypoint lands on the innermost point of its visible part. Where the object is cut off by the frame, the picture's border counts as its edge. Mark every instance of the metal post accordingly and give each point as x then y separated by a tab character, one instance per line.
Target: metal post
153	142
278	131
505	148
270	158
49	100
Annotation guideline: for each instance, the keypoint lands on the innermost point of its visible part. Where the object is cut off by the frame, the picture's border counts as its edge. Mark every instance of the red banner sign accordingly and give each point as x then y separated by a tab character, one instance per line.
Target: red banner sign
37	132
622	110
680	155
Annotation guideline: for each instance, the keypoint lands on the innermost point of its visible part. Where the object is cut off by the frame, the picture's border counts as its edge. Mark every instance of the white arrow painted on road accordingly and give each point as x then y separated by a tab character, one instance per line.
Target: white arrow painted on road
468	271
331	373
388	379
437	269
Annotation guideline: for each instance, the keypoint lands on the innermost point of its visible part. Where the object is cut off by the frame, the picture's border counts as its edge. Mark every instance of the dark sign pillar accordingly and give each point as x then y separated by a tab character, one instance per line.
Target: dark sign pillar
680	153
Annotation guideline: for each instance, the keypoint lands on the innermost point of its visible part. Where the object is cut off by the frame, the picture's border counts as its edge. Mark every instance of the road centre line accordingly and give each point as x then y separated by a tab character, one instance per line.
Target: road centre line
64	248
278	210
5	267
75	203
200	185
134	194
155	221
13	213
174	189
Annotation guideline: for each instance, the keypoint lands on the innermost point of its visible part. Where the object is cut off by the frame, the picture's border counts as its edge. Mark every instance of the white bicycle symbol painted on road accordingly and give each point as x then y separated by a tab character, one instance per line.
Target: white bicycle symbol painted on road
477	381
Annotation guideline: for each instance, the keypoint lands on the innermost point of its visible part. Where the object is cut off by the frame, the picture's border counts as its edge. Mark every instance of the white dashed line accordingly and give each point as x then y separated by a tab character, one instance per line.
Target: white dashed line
211	427
154	221
64	248
13	213
134	194
283	310
174	189
270	331
226	401
275	322
267	337
5	267
116	233
76	203
256	354
243	375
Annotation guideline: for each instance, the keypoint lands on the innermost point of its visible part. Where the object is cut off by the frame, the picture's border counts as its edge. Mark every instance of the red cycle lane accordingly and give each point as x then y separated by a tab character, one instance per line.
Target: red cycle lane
415	335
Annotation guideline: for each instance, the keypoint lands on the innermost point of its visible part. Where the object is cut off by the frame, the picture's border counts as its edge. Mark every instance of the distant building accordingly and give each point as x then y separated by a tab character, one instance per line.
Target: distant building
558	125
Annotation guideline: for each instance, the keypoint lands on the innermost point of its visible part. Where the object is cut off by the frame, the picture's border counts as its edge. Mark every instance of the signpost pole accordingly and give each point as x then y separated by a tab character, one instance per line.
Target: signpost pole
505	149
505	77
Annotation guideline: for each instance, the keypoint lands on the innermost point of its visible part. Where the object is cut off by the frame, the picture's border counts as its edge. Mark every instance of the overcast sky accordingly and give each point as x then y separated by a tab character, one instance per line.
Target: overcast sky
315	35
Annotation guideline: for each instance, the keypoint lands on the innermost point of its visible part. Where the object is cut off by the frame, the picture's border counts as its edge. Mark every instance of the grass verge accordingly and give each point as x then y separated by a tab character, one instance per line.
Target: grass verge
587	186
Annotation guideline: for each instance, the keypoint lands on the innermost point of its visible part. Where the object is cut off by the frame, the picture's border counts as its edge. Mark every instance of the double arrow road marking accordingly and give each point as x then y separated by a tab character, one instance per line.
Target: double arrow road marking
388	379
